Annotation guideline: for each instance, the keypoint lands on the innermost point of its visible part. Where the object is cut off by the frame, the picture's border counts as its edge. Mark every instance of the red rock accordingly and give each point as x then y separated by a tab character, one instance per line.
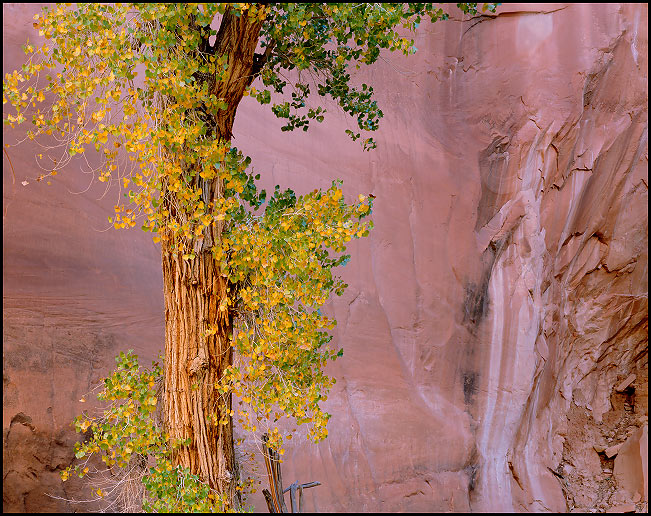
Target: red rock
632	464
626	507
505	280
625	383
613	450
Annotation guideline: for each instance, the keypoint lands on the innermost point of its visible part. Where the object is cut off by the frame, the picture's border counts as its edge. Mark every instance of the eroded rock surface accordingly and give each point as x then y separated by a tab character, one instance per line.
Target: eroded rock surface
491	316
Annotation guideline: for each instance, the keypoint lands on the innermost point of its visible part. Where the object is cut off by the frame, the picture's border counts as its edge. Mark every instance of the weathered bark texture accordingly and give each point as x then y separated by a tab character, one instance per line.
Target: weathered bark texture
237	38
193	363
195	299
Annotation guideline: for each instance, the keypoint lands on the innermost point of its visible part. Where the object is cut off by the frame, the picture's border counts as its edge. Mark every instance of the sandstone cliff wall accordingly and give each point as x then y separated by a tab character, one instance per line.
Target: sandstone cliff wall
493	318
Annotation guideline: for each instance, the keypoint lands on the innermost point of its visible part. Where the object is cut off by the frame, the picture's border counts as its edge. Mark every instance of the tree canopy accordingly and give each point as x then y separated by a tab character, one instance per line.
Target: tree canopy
149	91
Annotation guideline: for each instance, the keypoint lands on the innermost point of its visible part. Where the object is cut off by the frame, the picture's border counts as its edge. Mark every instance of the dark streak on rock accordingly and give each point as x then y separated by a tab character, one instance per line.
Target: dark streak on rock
470	385
472	471
475	304
477	301
493	164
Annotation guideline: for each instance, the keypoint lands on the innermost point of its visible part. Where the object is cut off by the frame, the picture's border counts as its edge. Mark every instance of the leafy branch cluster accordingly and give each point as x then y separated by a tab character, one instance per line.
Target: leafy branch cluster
320	42
283	261
128	435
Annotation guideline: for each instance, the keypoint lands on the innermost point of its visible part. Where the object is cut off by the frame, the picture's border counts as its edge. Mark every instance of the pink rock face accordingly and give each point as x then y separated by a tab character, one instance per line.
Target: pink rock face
632	464
501	297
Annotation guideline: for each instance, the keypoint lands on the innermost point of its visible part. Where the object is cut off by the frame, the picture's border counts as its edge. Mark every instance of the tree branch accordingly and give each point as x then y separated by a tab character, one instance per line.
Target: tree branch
259	60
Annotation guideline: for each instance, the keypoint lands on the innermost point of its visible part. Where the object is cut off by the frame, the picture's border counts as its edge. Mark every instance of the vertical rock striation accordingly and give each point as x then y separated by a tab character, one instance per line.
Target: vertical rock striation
564	201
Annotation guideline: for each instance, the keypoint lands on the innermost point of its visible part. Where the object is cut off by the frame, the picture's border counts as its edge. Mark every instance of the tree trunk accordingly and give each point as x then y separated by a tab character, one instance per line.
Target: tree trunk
194	290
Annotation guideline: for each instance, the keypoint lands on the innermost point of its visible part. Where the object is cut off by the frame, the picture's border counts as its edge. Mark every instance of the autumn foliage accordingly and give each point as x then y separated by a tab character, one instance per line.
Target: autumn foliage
149	92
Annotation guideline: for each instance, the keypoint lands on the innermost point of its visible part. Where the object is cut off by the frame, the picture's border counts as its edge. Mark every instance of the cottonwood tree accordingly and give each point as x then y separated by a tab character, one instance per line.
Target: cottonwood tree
152	90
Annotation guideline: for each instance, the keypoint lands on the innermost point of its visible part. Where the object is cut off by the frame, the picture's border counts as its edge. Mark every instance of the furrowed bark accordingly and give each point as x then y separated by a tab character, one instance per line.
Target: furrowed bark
194	290
237	38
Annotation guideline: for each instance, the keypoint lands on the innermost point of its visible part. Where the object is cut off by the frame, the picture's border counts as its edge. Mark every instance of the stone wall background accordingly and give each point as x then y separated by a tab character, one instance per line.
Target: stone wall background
491	317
